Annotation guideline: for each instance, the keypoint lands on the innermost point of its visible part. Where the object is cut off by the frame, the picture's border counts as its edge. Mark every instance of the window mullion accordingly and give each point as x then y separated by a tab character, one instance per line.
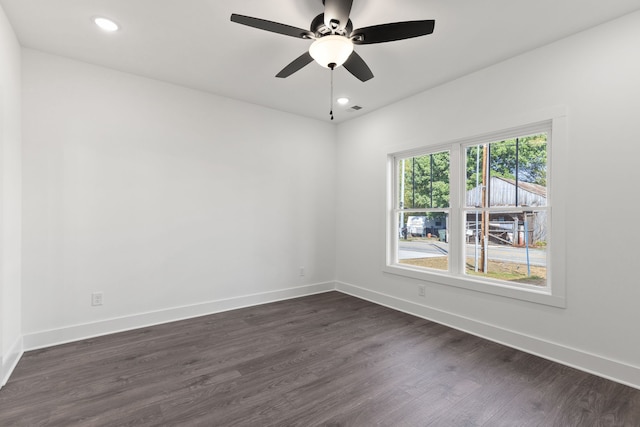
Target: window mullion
455	218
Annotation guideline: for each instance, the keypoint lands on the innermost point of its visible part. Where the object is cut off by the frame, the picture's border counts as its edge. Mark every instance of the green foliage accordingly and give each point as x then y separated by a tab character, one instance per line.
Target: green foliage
426	181
531	160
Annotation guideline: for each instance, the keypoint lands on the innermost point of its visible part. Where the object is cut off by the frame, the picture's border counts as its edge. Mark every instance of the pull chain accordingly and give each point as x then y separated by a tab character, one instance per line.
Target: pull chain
331	66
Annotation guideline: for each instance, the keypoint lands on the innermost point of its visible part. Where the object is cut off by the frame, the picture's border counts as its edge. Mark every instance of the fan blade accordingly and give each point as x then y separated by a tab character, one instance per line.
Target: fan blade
295	65
356	66
392	32
274	27
336	13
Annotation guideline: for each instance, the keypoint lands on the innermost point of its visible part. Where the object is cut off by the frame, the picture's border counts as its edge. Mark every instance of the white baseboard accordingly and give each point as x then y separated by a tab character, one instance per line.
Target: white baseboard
616	371
10	360
36	340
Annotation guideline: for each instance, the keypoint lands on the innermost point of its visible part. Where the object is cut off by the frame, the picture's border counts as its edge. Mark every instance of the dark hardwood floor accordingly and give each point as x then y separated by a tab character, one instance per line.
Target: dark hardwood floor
327	359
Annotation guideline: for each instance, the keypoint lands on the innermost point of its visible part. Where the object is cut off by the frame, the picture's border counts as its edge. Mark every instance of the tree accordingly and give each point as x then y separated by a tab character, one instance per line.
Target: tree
426	181
529	161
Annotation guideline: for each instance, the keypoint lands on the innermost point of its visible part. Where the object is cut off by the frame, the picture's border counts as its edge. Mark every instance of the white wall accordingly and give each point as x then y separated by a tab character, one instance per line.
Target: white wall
10	199
595	76
171	202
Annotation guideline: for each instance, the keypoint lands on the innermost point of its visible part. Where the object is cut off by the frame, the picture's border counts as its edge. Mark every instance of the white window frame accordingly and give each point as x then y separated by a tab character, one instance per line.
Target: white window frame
554	293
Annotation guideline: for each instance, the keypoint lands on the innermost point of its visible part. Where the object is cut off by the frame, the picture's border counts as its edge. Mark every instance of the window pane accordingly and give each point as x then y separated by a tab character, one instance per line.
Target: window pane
424	181
507	246
511	172
423	240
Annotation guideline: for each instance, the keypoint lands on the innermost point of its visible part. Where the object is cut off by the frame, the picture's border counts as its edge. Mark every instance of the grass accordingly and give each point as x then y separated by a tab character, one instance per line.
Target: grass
507	271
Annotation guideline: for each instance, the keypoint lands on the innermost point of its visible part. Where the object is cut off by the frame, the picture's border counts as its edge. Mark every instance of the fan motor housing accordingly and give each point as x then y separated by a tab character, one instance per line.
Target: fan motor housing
320	29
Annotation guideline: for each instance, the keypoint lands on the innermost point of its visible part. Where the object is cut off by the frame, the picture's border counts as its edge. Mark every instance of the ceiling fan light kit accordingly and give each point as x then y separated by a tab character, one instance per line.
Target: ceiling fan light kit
334	38
331	49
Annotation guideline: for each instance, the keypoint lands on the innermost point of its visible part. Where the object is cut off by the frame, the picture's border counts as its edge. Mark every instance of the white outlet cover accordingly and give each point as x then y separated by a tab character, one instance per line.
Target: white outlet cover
96	298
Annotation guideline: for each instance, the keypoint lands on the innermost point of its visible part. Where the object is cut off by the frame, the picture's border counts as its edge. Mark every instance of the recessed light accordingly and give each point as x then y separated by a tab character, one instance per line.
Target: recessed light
343	101
106	24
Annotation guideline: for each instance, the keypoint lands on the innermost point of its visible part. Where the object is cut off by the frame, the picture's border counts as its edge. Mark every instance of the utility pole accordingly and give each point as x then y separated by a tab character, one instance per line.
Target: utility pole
484	229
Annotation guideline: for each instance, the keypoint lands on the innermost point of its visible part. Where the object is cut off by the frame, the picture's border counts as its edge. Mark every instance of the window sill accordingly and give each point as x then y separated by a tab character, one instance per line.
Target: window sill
521	292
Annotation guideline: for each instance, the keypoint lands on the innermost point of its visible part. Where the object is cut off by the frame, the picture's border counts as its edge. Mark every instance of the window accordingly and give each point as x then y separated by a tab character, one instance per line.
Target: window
423	200
477	214
505	209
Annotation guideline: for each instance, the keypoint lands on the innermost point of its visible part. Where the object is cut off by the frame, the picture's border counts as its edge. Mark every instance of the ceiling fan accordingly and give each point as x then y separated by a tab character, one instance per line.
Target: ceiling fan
334	37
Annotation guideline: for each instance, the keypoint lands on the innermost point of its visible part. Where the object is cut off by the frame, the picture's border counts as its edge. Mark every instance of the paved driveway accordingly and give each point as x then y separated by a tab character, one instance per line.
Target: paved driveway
427	249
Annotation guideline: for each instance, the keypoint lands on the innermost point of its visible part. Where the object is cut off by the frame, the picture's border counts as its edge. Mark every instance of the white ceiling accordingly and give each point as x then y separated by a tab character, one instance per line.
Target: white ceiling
194	44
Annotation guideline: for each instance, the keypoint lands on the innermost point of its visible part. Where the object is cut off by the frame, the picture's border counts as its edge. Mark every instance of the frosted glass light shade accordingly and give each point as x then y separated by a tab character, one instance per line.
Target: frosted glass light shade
332	49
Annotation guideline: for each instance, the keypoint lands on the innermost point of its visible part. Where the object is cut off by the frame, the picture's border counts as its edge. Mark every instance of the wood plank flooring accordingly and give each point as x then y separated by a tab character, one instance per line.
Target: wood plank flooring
327	359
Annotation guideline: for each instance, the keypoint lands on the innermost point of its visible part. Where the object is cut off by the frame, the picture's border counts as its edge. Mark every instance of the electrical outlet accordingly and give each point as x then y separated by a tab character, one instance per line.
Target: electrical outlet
96	298
301	271
422	289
